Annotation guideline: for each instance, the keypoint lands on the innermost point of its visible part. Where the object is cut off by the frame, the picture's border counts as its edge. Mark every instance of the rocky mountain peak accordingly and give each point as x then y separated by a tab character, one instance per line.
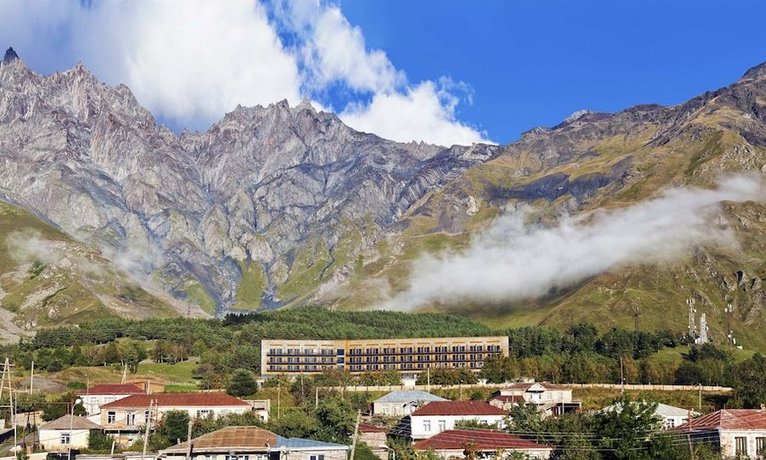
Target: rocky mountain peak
756	73
10	56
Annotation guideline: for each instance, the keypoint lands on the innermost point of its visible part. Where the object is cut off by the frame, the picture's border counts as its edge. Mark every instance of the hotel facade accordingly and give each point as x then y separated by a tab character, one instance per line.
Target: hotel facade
408	356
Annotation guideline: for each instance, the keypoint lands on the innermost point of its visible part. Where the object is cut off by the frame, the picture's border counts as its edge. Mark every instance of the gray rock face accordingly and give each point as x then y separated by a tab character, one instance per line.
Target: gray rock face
194	209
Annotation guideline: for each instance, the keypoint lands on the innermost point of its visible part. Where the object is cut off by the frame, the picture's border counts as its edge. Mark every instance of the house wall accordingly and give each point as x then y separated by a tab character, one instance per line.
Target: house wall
288	455
121	415
51	439
394	408
418	423
728	444
446	454
670	421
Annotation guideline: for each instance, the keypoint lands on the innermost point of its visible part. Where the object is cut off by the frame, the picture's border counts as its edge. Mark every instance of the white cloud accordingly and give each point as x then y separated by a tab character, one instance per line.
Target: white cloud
512	261
424	112
191	61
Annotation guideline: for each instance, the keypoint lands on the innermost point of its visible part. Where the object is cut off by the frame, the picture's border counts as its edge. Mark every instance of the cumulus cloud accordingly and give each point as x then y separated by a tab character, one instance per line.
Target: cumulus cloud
513	261
191	61
423	113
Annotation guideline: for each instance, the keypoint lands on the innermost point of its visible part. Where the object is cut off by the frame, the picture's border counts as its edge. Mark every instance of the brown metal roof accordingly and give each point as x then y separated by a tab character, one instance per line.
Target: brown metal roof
728	419
459	408
483	440
249	438
69	422
176	400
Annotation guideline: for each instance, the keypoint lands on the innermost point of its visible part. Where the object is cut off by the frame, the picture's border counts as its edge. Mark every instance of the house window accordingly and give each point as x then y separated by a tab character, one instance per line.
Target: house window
65	438
237	457
670	423
203	413
740	445
316	457
111	417
131	418
442	425
760	446
427	426
147	414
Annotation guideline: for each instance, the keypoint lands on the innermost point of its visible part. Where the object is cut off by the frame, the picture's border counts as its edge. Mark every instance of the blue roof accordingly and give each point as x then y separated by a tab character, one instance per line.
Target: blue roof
299	443
404	396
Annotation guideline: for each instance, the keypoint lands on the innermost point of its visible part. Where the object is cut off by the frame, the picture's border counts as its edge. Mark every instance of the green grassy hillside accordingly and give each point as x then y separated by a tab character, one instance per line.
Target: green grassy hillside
47	278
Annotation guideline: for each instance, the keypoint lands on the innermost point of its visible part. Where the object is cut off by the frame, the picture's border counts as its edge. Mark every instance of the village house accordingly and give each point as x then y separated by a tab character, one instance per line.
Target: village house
402	402
670	416
253	443
125	418
486	444
375	438
550	399
738	433
66	432
96	396
438	416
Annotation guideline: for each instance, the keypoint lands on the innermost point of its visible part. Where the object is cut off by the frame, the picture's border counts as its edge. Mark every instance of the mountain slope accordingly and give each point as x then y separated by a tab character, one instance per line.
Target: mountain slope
267	195
48	278
596	161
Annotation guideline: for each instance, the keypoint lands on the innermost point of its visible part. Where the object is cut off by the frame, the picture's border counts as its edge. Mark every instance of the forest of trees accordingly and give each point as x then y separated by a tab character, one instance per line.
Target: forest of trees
229	350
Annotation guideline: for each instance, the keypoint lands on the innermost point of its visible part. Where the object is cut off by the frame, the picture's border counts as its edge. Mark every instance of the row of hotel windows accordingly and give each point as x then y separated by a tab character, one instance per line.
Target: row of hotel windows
385	350
304	351
421	350
295	359
370	367
426	359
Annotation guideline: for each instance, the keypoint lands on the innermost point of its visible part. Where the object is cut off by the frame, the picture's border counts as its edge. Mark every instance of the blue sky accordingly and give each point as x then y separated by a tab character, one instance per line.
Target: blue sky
532	63
440	71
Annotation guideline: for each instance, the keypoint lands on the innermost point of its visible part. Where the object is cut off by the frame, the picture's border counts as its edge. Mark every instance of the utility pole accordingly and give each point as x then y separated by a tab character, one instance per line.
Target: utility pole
146	432
316	397
189	439
356	432
6	383
622	377
699	397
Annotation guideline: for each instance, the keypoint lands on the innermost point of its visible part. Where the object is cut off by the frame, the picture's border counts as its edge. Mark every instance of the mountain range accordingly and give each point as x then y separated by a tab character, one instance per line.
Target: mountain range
279	206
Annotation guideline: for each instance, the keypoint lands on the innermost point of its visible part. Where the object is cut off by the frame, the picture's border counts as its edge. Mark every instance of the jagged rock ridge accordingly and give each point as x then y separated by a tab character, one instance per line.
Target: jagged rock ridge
266	193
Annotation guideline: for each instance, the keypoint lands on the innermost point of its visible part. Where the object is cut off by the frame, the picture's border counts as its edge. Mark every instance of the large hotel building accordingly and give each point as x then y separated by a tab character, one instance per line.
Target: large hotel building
409	356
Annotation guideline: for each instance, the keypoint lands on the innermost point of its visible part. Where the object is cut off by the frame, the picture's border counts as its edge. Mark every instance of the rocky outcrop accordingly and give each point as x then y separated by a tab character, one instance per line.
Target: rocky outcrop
191	210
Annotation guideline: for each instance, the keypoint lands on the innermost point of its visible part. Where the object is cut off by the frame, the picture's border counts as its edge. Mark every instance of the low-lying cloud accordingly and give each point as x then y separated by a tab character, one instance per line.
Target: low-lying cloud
513	261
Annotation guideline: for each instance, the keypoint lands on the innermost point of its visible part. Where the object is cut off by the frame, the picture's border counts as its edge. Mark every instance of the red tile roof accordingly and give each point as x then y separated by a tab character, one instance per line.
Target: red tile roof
176	400
728	419
112	389
459	408
485	440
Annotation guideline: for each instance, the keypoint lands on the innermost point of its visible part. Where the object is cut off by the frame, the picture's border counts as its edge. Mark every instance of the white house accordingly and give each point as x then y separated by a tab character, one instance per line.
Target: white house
253	443
402	402
125	418
670	416
739	433
550	399
488	444
438	416
96	396
64	433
